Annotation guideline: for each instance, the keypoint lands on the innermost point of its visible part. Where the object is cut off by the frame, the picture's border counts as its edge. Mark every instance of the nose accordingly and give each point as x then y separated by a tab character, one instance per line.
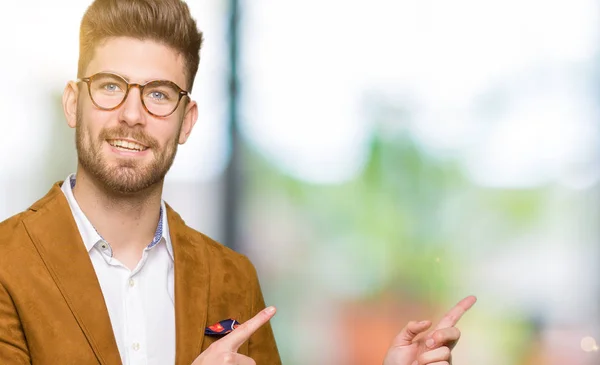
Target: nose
132	110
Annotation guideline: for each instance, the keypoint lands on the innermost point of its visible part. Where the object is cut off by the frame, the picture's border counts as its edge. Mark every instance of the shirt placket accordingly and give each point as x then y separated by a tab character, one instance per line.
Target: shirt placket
135	327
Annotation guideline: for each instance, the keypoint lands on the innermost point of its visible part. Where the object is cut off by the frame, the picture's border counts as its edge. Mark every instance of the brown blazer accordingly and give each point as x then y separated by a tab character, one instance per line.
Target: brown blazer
52	310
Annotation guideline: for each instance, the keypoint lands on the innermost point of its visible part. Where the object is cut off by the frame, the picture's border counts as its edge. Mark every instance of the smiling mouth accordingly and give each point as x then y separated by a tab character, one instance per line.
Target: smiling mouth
127	145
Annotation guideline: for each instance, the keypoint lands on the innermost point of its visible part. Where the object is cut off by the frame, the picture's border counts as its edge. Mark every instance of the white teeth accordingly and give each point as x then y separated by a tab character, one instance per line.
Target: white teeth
126	145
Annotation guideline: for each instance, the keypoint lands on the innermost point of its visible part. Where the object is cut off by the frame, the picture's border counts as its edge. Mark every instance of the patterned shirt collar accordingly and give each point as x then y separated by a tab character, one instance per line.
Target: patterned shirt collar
91	237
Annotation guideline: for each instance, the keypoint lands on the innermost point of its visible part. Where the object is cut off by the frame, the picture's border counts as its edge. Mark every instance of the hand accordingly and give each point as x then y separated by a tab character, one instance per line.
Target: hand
224	351
433	349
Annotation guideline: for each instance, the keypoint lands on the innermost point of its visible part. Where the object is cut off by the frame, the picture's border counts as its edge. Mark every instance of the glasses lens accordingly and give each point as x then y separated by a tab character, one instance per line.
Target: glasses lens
161	97
108	90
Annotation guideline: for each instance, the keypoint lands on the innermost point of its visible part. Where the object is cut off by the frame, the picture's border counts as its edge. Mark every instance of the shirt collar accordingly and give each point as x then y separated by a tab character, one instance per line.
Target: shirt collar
91	237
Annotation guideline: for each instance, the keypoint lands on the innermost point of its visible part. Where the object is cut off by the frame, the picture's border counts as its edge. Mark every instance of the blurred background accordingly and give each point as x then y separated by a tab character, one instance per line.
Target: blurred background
377	161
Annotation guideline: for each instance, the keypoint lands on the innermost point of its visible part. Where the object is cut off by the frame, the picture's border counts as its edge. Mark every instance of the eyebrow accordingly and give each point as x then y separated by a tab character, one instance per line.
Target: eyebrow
129	80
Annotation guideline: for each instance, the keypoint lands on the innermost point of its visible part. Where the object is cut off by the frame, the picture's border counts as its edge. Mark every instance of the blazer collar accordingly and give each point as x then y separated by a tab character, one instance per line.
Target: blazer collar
191	288
55	236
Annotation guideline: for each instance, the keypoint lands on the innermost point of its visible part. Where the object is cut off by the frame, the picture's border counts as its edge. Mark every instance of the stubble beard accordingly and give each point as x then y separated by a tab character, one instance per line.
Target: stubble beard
127	176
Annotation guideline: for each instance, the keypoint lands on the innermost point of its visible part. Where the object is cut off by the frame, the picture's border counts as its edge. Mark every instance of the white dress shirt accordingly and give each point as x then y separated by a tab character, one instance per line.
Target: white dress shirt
140	302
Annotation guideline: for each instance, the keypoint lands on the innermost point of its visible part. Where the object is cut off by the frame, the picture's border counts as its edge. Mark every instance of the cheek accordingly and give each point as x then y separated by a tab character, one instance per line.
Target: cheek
170	130
91	123
90	129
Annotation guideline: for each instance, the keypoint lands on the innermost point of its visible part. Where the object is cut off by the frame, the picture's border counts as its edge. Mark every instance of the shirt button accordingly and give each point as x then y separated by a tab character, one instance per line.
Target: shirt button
136	346
131	282
104	246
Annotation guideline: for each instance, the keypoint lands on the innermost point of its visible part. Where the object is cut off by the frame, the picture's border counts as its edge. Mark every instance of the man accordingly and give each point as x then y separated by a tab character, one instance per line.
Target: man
101	270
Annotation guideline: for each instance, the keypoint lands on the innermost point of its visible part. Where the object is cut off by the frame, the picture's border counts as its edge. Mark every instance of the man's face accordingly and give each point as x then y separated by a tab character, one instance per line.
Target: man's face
128	150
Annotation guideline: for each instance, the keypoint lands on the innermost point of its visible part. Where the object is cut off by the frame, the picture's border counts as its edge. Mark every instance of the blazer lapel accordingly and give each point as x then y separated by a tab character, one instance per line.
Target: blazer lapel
57	239
191	290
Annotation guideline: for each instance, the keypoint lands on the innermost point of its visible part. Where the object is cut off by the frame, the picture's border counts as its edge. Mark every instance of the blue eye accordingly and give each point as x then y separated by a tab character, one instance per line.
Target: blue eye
157	95
111	87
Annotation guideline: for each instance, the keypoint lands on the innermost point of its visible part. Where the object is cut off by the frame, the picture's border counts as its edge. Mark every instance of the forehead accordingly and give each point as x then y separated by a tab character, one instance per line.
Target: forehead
138	60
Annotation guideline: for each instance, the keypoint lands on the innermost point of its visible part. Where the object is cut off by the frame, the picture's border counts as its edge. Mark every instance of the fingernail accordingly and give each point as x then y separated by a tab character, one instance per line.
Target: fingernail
270	310
423	322
429	343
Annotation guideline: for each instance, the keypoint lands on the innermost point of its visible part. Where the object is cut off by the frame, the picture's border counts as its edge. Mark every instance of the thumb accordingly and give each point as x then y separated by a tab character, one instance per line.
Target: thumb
409	332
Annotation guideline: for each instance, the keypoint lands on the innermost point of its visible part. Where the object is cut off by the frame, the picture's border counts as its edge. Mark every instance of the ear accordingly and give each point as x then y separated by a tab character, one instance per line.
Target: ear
69	101
189	120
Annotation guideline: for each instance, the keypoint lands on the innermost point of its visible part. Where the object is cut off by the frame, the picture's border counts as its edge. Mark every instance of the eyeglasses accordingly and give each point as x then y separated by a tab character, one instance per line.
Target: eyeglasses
159	97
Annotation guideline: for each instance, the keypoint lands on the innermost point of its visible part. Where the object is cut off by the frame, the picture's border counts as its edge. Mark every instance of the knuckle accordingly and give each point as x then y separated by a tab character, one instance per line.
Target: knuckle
245	329
410	332
228	358
438	337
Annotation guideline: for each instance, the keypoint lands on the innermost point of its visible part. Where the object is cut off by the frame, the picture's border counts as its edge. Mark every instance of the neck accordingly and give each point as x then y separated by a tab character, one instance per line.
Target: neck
126	221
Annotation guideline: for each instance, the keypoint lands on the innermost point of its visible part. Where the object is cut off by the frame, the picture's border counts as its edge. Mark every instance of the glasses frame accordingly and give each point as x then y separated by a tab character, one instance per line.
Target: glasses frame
88	81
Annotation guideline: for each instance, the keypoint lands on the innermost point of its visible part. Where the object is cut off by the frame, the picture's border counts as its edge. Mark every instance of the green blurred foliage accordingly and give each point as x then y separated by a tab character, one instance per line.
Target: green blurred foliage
401	227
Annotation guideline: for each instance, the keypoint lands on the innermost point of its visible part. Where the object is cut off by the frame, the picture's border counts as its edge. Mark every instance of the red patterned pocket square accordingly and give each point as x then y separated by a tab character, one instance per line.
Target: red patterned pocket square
222	328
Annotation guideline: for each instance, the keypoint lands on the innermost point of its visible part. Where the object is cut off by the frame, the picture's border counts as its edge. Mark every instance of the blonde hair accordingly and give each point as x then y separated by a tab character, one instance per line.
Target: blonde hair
168	22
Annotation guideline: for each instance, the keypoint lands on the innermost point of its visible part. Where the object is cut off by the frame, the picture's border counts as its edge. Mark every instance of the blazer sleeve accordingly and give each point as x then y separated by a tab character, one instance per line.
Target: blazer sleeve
13	346
262	347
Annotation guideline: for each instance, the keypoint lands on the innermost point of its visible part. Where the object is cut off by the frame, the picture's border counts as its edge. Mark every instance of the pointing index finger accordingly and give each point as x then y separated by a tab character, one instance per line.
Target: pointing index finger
241	334
452	317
